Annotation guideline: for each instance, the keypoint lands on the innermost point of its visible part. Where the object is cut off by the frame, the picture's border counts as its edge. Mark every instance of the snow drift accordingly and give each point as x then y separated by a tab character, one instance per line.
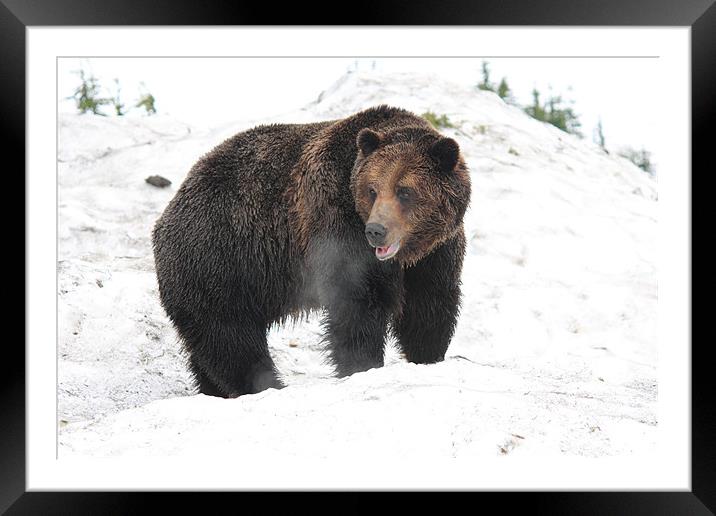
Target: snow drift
555	350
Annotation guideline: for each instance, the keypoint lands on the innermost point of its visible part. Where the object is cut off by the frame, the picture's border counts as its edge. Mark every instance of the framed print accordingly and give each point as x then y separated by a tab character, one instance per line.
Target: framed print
436	250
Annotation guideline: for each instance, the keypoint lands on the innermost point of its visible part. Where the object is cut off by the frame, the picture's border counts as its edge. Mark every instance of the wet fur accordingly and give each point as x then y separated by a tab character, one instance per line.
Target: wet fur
266	226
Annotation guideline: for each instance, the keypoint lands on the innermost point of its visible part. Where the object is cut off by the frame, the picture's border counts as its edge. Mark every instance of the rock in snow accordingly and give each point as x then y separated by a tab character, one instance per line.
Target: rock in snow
158	181
554	354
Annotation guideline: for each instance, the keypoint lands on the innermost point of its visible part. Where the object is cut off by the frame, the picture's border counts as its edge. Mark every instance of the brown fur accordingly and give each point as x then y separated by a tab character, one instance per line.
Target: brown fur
271	224
427	219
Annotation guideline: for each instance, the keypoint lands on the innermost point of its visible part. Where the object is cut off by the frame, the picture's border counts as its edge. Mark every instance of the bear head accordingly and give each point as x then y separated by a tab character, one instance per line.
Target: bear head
411	189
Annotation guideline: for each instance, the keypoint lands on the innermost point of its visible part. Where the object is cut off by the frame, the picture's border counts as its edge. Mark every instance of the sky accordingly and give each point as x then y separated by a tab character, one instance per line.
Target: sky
205	91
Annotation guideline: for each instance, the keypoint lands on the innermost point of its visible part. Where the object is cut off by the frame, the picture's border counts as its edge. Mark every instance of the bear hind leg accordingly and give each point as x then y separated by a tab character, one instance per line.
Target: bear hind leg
203	383
232	359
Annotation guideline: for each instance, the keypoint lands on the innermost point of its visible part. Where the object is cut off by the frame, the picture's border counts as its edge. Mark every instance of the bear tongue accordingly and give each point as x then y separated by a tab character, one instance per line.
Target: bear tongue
384	252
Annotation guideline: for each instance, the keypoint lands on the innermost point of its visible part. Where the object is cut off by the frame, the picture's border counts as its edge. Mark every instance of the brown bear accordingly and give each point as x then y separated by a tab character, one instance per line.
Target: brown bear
361	217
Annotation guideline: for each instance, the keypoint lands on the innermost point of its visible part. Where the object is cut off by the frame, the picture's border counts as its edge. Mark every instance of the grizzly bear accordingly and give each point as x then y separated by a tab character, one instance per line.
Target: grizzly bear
360	217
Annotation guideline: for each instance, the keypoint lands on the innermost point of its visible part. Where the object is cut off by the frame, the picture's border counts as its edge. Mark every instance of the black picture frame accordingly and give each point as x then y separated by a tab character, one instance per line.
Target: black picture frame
16	15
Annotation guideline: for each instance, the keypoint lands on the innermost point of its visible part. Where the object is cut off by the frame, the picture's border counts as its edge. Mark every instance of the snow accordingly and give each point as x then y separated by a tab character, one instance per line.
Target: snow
554	354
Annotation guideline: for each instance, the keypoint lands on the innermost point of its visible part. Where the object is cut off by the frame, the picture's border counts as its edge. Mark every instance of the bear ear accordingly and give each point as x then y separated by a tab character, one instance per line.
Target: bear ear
446	152
367	141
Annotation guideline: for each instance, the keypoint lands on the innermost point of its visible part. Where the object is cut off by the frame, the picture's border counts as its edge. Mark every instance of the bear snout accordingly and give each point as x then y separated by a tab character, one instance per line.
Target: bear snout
375	233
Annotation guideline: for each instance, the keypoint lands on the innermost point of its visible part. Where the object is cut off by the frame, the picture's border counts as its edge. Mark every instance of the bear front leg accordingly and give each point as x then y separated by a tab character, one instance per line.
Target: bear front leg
355	335
358	295
431	305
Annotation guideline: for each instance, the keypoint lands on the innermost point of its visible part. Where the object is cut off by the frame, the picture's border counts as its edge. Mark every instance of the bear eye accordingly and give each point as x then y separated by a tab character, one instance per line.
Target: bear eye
373	194
404	194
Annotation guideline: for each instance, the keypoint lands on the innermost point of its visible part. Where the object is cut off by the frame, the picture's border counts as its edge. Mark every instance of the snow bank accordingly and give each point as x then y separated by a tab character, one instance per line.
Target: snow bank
554	354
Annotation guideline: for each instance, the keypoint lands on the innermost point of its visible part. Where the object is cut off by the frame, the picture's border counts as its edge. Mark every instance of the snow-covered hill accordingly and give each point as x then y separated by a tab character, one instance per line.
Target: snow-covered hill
555	352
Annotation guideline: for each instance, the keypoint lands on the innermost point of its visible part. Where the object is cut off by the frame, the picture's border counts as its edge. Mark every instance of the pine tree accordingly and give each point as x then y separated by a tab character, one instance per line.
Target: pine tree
503	90
644	161
441	121
536	110
553	113
599	136
571	121
485	85
641	158
147	102
116	102
87	95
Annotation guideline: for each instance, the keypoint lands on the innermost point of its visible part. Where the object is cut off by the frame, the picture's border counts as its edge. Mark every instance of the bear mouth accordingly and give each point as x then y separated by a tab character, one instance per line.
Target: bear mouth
385	253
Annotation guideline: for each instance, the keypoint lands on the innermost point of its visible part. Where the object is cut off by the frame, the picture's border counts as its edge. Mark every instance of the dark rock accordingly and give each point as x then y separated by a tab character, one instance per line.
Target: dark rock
158	181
